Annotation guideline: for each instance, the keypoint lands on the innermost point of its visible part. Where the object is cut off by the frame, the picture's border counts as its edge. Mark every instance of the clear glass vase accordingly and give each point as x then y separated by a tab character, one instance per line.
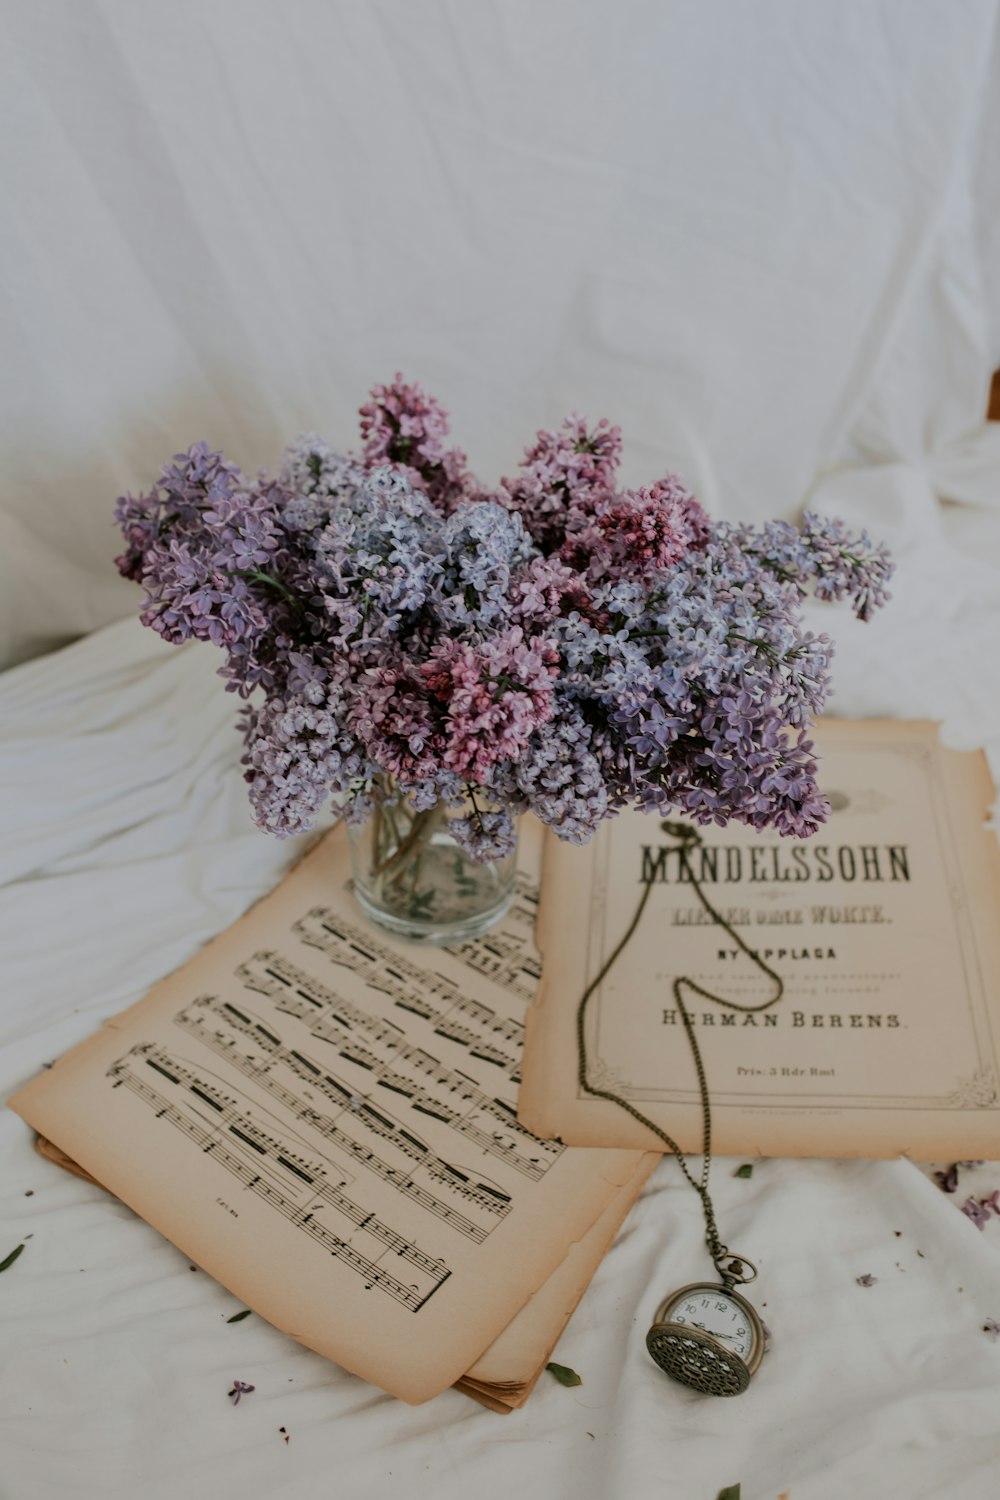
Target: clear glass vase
414	880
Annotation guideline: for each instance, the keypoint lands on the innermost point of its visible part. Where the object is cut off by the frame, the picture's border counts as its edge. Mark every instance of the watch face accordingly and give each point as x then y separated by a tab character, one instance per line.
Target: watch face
720	1314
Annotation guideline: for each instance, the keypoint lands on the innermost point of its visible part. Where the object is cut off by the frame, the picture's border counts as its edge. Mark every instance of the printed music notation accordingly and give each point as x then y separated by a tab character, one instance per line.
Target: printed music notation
376	1115
433	996
296	1185
220	1025
506	955
325	1120
455	1098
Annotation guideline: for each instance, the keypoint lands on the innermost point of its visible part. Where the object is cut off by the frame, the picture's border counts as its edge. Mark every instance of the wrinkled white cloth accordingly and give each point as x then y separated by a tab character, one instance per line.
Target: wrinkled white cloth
127	845
722	225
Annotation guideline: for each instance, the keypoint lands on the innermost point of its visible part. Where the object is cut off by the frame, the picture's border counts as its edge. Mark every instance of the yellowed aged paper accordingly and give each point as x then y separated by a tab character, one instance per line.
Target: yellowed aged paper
325	1120
884	926
505	1374
516	1359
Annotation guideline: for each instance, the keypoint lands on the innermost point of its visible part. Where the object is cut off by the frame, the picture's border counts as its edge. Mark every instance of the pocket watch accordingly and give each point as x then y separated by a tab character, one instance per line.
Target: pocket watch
708	1337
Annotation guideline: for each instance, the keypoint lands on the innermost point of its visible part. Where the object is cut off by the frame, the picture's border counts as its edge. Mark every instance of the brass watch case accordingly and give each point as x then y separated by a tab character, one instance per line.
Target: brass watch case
697	1359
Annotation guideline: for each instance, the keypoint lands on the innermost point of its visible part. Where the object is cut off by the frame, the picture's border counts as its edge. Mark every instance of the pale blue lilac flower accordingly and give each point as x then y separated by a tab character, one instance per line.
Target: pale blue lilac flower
319	480
484	545
378	563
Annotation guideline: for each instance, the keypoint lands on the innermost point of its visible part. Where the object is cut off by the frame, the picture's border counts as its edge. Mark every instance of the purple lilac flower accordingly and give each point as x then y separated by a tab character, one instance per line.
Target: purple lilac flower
562	646
300	748
485	836
559	777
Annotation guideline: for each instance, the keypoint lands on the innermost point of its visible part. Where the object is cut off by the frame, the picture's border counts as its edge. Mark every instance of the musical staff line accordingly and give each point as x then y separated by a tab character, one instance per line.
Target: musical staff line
298	994
426	993
489	1199
214	1137
506	956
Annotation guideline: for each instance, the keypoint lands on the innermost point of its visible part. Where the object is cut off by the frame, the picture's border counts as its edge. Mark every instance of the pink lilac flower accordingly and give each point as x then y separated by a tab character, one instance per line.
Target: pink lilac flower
564	479
494	697
643	532
402	425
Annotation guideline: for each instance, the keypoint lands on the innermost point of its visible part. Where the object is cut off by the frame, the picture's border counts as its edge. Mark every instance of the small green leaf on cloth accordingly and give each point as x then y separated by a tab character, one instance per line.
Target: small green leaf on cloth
745	1171
731	1492
11	1258
238	1317
564	1374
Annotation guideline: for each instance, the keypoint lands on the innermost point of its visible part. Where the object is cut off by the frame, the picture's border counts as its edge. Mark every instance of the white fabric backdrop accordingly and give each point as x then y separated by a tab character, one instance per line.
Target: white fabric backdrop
759	235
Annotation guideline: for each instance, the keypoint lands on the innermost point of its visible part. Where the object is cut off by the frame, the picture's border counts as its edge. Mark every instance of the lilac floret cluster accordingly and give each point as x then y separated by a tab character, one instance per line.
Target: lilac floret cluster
553	644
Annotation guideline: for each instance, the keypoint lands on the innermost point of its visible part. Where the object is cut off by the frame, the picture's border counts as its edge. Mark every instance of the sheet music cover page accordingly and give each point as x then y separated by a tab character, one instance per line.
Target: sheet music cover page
325	1121
883	926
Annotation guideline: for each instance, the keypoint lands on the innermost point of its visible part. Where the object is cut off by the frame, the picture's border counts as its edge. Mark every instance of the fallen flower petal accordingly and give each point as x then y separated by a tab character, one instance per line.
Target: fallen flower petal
240	1388
947	1181
976	1212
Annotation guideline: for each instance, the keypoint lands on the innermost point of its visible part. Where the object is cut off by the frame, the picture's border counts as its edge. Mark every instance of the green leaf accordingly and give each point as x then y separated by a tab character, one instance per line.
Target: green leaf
731	1492
12	1257
745	1171
238	1317
564	1374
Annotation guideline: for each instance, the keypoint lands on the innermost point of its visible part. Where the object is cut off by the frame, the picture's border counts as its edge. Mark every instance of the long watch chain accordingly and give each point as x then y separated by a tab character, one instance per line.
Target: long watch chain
728	1266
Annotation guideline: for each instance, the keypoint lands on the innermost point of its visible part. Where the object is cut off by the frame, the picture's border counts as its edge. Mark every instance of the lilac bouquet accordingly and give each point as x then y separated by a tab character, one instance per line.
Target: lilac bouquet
406	636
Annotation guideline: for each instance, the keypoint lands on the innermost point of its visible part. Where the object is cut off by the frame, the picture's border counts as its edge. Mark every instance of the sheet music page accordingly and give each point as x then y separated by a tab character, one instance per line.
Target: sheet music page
325	1120
507	1371
518	1356
884	926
